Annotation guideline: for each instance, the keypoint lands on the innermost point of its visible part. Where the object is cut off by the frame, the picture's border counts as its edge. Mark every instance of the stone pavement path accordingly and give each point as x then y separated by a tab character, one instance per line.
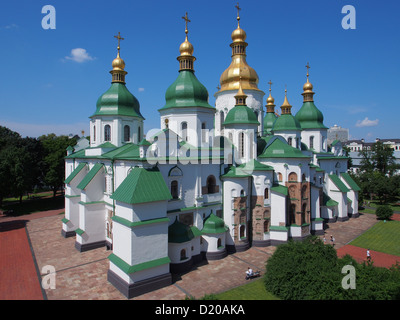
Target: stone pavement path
83	276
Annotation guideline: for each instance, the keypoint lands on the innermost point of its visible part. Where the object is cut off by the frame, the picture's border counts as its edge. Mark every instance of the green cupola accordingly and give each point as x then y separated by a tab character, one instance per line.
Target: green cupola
309	116
117	100
240	113
270	116
186	90
286	121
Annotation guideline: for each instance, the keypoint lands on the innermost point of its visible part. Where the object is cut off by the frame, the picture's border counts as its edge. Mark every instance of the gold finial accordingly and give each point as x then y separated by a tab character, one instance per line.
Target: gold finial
286	106
308	67
186	23
119	39
238	9
270	84
270	99
308	87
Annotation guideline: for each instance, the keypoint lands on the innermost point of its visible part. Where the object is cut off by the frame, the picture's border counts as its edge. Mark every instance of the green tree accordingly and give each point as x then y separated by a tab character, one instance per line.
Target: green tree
53	160
384	212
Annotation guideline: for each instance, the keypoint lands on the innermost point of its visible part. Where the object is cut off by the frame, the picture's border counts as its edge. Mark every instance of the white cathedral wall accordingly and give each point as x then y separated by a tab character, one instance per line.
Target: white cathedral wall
320	139
225	101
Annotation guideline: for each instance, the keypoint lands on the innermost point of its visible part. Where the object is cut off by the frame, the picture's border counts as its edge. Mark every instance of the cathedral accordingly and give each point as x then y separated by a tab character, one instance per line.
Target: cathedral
214	180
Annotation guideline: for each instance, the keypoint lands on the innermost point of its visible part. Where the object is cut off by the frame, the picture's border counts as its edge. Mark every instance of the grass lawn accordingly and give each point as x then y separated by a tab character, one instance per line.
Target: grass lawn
383	237
40	202
254	290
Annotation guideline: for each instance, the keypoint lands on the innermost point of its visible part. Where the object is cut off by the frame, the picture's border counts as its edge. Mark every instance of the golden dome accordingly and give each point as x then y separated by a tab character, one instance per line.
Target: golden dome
238	35
270	100
118	63
186	48
308	86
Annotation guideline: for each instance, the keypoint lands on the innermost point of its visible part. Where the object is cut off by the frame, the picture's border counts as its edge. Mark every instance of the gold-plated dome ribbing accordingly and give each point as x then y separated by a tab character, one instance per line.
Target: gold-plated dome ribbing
239	68
118	72
270	100
286	107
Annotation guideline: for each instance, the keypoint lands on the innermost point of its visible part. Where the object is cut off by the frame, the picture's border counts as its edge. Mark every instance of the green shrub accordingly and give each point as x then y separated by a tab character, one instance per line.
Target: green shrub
384	212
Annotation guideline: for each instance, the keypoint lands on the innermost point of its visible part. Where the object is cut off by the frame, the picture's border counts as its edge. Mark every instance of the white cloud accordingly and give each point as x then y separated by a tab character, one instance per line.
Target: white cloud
79	55
141	89
10	26
367	123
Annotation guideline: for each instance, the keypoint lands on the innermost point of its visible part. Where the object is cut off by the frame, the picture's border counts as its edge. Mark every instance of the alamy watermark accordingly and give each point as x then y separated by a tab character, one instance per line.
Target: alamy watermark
349	280
48	277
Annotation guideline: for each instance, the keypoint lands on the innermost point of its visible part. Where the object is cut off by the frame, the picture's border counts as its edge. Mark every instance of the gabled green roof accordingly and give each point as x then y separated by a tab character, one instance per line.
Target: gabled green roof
128	151
91	174
213	225
186	91
280	149
144	142
118	101
310	117
349	180
141	186
338	183
75	172
241	114
179	232
286	122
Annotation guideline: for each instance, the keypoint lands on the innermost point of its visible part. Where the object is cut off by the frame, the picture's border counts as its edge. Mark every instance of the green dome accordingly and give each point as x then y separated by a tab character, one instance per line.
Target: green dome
241	114
179	232
186	91
118	101
310	117
269	120
214	224
286	122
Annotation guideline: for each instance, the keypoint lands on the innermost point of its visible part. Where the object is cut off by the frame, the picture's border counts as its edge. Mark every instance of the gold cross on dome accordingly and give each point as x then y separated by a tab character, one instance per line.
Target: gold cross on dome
270	84
186	22
238	9
119	39
308	67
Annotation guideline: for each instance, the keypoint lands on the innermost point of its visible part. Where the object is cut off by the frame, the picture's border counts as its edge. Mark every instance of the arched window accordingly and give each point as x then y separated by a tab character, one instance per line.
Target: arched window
184	131
183	254
242	231
203	132
127	133
242	193
279	177
221	118
311	142
211	184
289	141
241	144
139	134
292	176
94	133
303	213
292	214
107	132
304	192
303	177
266	193
266	225
174	189
219	243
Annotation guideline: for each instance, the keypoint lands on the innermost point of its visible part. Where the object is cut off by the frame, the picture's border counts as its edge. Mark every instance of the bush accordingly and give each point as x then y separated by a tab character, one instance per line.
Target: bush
310	270
384	212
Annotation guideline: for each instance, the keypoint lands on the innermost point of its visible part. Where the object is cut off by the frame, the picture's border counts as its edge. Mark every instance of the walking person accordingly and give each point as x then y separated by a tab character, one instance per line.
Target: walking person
332	240
368	256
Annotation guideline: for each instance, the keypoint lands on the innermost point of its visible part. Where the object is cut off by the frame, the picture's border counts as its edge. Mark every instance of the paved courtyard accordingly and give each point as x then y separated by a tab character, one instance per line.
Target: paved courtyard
83	276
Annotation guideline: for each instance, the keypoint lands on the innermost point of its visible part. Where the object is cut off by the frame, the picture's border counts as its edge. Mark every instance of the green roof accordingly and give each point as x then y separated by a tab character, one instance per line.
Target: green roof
280	149
286	122
118	101
91	174
141	186
75	172
179	232
280	189
144	142
310	117
254	165
236	172
269	120
349	180
213	225
338	183
327	201
186	91
241	114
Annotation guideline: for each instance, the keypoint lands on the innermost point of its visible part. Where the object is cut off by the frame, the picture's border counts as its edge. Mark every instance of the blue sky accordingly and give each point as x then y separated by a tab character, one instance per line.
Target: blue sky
47	86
